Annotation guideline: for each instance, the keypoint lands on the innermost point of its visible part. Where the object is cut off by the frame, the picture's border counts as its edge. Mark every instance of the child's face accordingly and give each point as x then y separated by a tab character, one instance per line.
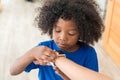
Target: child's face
66	35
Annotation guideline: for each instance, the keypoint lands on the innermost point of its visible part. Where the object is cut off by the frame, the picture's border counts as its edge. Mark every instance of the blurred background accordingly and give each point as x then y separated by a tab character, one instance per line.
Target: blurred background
18	34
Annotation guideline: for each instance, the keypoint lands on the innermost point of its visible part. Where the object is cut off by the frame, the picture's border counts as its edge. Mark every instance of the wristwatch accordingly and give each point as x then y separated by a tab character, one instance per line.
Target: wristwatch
60	54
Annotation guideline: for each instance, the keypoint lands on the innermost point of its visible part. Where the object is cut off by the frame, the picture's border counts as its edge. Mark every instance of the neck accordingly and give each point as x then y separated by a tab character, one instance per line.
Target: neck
74	48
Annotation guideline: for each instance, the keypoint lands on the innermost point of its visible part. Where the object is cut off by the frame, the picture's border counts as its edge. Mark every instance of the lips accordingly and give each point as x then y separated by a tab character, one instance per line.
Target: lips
62	45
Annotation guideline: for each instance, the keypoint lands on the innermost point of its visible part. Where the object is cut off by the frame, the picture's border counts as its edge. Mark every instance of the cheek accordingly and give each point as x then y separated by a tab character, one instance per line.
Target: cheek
54	36
73	40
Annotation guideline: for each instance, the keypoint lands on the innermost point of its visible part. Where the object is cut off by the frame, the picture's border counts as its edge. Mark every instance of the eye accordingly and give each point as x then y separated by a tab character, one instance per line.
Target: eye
72	33
57	30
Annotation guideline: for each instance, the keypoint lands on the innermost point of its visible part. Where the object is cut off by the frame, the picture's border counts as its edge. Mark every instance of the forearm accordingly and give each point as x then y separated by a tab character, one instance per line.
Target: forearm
77	72
21	63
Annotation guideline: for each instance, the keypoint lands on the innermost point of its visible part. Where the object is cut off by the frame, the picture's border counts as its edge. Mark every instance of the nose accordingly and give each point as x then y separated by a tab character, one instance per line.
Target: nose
63	37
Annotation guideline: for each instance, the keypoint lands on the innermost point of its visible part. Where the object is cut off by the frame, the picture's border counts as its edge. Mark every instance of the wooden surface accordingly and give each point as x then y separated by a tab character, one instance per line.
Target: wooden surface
111	40
18	34
0	6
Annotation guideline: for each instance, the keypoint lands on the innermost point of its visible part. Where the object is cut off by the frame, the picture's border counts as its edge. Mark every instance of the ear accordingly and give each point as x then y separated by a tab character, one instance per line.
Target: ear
79	38
51	36
51	33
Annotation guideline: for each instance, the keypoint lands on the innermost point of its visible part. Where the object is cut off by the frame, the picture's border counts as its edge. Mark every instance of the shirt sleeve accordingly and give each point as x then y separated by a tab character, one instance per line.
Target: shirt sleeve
30	67
92	60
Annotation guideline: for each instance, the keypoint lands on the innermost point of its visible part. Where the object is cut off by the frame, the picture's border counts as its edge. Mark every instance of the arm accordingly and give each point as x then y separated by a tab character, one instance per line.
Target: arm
39	55
77	72
21	63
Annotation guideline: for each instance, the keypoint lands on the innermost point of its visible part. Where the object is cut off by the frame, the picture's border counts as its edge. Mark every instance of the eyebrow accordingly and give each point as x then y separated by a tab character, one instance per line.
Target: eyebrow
73	29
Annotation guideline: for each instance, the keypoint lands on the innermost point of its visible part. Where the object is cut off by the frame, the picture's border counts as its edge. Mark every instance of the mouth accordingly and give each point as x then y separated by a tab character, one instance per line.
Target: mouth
62	45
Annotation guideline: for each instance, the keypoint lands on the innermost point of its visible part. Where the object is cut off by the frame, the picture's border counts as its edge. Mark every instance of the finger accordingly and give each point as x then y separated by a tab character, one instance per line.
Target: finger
53	55
44	62
46	58
36	62
50	52
41	62
47	55
56	52
58	72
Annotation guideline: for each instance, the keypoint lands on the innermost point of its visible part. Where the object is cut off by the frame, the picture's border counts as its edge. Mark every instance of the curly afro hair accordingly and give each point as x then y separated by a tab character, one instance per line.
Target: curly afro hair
84	13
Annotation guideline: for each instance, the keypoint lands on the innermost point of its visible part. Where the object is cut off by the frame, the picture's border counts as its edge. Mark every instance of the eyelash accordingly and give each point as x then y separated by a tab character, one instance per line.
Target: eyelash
71	34
58	31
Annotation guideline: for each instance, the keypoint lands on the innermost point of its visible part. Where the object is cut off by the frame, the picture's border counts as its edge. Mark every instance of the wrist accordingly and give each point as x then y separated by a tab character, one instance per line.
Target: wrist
57	60
59	55
30	55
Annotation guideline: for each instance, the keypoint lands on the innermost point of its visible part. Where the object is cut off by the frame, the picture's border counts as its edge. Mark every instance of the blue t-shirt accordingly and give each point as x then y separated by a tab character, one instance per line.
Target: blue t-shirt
85	56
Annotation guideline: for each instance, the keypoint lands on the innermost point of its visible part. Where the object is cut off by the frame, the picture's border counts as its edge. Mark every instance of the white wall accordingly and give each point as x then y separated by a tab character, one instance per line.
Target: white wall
17	35
102	4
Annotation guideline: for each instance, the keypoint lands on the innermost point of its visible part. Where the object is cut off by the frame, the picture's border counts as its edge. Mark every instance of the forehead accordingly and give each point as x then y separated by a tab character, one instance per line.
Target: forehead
65	23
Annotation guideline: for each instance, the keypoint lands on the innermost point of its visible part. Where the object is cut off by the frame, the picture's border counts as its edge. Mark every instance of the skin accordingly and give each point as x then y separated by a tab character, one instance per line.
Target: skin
66	36
77	72
39	55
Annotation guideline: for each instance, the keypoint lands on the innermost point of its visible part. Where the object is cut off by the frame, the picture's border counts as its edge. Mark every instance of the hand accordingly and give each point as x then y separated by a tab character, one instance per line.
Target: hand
43	55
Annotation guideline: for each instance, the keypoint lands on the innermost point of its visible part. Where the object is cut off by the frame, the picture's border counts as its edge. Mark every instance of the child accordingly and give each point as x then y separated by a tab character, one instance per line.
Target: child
73	26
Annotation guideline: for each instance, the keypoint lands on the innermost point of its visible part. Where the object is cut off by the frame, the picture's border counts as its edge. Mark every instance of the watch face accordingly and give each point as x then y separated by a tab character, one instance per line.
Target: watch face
61	54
